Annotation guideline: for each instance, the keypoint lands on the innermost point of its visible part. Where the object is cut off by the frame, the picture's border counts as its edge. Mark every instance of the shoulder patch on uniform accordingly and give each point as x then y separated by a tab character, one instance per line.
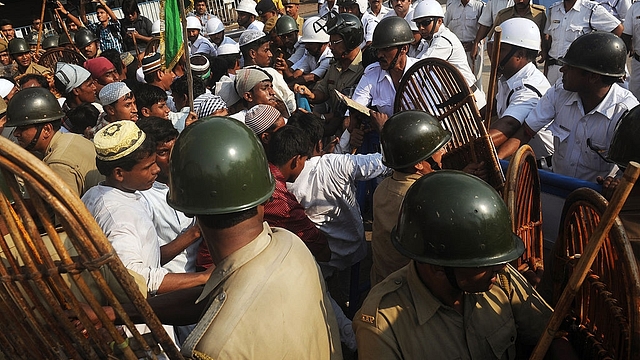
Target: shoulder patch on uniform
367	318
590	5
538	7
372	302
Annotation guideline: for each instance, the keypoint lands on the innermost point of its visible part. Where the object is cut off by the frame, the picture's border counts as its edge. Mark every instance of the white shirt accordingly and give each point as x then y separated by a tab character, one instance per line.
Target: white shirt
617	8
170	223
326	188
571	128
492	9
383	11
318	67
632	26
516	98
202	45
240	115
298	52
280	87
462	19
566	26
446	46
376	87
256	25
408	17
369	22
418	51
125	220
324	9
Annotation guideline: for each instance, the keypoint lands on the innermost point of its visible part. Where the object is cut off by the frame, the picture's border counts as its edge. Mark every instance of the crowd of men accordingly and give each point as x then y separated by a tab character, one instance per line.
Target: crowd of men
221	204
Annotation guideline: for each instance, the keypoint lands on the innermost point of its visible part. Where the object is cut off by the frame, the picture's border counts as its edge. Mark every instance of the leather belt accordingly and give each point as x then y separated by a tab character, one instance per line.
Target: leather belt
552	61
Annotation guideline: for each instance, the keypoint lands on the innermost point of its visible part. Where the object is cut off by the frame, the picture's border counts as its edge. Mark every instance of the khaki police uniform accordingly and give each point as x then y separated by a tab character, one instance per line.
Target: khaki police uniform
267	300
387	200
73	158
536	14
337	78
401	319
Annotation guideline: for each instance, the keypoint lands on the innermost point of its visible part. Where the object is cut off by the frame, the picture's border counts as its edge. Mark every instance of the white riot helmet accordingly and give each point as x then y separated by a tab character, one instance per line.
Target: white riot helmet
155	28
248	6
214	26
363	5
428	8
521	32
309	33
193	23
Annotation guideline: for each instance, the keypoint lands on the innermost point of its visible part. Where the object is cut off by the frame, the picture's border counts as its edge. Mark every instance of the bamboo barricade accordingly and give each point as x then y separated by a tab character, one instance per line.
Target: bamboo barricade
586	260
493	76
46	281
435	86
522	196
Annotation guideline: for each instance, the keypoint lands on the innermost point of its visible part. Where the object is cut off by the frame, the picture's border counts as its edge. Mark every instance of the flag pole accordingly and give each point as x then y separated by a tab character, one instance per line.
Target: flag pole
187	63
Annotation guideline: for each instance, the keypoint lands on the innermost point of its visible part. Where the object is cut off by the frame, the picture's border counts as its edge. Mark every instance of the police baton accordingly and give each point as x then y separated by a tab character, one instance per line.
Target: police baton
586	260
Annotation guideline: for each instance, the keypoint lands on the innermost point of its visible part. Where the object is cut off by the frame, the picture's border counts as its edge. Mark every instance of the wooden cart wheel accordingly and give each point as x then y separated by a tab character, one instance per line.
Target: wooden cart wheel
437	87
52	56
522	196
604	319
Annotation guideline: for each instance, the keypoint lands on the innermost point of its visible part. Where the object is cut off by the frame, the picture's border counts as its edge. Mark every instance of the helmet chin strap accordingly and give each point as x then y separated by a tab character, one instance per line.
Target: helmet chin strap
507	58
393	62
434	165
448	271
33	142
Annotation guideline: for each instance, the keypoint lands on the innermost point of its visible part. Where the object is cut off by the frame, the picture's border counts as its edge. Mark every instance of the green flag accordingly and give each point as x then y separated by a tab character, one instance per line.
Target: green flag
171	40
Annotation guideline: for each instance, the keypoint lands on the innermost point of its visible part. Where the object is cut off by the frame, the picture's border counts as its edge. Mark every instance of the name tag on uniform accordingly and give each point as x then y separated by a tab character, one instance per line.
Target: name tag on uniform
563	128
367	318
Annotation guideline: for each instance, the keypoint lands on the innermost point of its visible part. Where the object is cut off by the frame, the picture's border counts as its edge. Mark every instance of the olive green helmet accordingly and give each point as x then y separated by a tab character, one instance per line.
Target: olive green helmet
33	106
84	37
348	26
392	31
598	52
50	42
66	39
625	145
18	46
285	25
450	218
410	137
218	166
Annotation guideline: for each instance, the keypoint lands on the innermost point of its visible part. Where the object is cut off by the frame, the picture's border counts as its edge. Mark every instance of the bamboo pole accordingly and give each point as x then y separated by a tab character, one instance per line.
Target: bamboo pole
187	63
44	5
586	260
493	76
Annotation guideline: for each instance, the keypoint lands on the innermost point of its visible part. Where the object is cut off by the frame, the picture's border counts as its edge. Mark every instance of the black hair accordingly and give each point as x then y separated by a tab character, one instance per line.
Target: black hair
40	79
225	221
150	77
310	124
195	2
114	57
81	117
130	7
127	163
147	95
181	87
230	60
286	143
254	45
218	69
132	68
158	129
5	22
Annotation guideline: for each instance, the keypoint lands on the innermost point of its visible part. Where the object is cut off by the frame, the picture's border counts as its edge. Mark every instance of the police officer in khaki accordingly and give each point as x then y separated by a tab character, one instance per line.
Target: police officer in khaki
266	296
36	116
458	298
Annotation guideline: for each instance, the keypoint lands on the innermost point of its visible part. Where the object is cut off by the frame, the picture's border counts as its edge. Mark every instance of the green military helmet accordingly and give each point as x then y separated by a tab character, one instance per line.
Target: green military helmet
33	106
598	52
285	25
50	42
625	145
84	37
18	46
66	39
392	31
218	166
348	26
410	137
450	218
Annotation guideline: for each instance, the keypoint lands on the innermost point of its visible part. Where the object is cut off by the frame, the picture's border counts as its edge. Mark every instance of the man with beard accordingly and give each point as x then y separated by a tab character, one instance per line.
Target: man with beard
215	32
247	15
